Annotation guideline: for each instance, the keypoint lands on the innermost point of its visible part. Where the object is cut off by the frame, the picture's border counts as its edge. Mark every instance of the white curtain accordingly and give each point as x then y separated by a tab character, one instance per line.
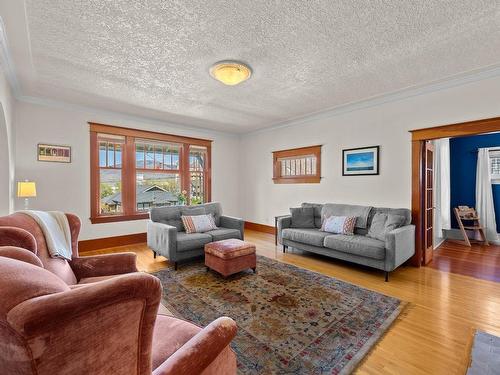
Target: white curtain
442	194
484	195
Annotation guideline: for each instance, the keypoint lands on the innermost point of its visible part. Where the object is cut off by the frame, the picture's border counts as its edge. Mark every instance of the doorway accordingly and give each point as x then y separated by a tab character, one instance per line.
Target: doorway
423	183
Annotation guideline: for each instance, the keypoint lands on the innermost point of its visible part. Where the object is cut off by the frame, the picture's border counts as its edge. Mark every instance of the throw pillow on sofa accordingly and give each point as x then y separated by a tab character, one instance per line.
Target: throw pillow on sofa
339	225
302	217
383	224
198	223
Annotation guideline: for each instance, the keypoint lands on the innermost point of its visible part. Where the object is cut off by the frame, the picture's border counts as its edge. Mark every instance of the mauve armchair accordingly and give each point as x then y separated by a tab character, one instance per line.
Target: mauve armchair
105	327
23	231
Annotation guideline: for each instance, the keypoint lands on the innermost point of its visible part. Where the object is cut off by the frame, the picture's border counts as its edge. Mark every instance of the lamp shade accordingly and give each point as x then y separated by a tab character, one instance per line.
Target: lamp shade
26	189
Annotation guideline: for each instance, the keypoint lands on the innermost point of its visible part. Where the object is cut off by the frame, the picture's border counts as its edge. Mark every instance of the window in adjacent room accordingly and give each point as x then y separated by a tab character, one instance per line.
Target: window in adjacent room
495	166
299	165
134	170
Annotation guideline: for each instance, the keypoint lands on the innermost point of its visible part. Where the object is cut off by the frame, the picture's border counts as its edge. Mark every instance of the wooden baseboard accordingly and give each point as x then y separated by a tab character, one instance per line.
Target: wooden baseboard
259	227
103	243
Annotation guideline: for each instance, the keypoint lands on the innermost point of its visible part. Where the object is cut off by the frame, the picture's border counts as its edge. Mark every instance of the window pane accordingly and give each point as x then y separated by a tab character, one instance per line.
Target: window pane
118	155
150	157
175	158
197	156
158	157
102	154
110	191
139	156
495	165
157	190
111	155
197	187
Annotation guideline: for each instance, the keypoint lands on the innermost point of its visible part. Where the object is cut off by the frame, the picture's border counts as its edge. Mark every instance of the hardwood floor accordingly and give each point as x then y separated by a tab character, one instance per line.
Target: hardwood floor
432	336
478	260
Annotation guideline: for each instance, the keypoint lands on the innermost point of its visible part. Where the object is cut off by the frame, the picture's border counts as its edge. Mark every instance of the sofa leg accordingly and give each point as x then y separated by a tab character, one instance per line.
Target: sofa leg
386	276
284	248
154	254
175	266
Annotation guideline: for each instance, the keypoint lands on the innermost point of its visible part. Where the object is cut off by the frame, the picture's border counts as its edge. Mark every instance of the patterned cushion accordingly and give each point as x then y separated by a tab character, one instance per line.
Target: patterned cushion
339	225
198	223
229	249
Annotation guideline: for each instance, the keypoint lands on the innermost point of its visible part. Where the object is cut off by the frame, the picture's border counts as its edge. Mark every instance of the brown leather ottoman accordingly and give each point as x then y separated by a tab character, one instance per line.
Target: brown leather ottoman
231	256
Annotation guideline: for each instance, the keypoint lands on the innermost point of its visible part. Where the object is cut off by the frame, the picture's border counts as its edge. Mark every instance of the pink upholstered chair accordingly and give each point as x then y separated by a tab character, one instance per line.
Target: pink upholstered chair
23	231
105	327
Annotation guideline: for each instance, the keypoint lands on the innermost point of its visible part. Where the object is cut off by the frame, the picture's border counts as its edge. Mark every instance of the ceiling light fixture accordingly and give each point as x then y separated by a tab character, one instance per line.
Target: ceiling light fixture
230	72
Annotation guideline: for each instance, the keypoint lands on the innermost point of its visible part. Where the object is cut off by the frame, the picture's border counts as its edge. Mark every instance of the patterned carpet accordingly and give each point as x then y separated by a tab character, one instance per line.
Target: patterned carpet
290	320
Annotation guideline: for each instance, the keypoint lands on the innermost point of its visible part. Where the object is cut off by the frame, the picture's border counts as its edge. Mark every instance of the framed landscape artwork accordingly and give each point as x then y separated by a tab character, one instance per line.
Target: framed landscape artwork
360	161
54	153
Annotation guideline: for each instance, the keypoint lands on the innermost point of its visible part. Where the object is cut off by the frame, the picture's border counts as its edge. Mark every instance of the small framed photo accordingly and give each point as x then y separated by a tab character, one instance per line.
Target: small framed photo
54	153
362	161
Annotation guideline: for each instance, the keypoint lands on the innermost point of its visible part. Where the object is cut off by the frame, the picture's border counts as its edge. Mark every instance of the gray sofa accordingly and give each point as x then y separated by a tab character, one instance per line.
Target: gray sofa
398	247
167	237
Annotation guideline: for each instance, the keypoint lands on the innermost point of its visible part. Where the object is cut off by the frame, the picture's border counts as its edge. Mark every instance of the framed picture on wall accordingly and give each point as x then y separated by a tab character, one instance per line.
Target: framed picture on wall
361	161
53	153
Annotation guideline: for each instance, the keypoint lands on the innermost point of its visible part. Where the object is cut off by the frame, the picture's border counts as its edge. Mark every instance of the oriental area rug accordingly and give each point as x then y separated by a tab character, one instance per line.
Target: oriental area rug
290	320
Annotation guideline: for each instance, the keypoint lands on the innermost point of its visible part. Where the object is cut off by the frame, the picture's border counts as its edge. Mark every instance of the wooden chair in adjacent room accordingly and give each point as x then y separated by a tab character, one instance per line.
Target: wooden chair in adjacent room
468	220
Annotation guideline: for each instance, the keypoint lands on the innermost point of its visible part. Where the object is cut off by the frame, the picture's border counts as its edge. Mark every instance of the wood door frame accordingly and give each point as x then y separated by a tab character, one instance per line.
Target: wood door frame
418	139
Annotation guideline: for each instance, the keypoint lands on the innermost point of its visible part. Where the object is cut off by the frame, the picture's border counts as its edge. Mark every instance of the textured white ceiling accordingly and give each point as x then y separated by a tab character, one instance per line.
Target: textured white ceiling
306	56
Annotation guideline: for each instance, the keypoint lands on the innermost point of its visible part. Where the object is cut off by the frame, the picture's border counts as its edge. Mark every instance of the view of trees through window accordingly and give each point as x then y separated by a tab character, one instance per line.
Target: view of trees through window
163	174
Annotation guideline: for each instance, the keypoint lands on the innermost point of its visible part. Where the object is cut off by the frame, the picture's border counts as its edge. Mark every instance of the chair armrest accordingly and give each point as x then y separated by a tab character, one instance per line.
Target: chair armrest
104	265
233	223
400	246
21	254
162	238
201	350
105	318
74	226
283	223
12	236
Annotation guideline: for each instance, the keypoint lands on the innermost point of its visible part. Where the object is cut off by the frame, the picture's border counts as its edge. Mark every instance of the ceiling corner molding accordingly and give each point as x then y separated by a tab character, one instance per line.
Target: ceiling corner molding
446	83
6	61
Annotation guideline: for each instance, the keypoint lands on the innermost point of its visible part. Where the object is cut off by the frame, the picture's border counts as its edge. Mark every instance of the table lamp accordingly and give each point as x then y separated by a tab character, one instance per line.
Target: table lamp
26	189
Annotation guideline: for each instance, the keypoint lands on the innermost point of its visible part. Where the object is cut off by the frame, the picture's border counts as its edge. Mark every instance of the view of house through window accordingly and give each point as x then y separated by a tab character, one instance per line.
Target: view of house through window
135	173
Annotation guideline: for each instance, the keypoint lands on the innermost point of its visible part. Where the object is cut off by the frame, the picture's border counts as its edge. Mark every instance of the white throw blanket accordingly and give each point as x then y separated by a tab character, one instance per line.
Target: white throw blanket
55	228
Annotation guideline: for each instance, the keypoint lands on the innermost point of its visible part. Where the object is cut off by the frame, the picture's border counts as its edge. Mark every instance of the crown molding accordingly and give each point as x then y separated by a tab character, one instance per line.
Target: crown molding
446	83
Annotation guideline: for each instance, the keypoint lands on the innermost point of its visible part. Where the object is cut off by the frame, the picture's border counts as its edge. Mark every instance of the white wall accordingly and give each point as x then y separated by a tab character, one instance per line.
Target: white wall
386	125
6	147
66	187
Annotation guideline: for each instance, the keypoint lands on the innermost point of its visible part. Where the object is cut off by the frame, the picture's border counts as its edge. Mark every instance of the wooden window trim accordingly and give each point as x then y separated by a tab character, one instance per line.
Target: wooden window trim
129	169
296	152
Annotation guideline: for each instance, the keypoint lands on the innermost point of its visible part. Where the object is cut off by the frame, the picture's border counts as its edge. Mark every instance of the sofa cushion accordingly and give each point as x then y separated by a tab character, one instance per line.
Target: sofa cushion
339	225
311	236
170	215
187	242
383	224
356	245
317	212
198	223
224	233
302	217
215	209
362	213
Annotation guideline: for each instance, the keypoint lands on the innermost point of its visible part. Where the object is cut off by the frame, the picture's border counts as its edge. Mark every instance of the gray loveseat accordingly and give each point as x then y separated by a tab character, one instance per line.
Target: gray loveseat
398	247
167	237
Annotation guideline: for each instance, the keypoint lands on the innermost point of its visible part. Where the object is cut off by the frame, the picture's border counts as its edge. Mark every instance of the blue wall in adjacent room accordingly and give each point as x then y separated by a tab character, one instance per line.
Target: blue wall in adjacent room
463	163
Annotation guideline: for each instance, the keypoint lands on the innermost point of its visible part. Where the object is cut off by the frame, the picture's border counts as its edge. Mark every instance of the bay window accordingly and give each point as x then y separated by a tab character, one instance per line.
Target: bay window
134	170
